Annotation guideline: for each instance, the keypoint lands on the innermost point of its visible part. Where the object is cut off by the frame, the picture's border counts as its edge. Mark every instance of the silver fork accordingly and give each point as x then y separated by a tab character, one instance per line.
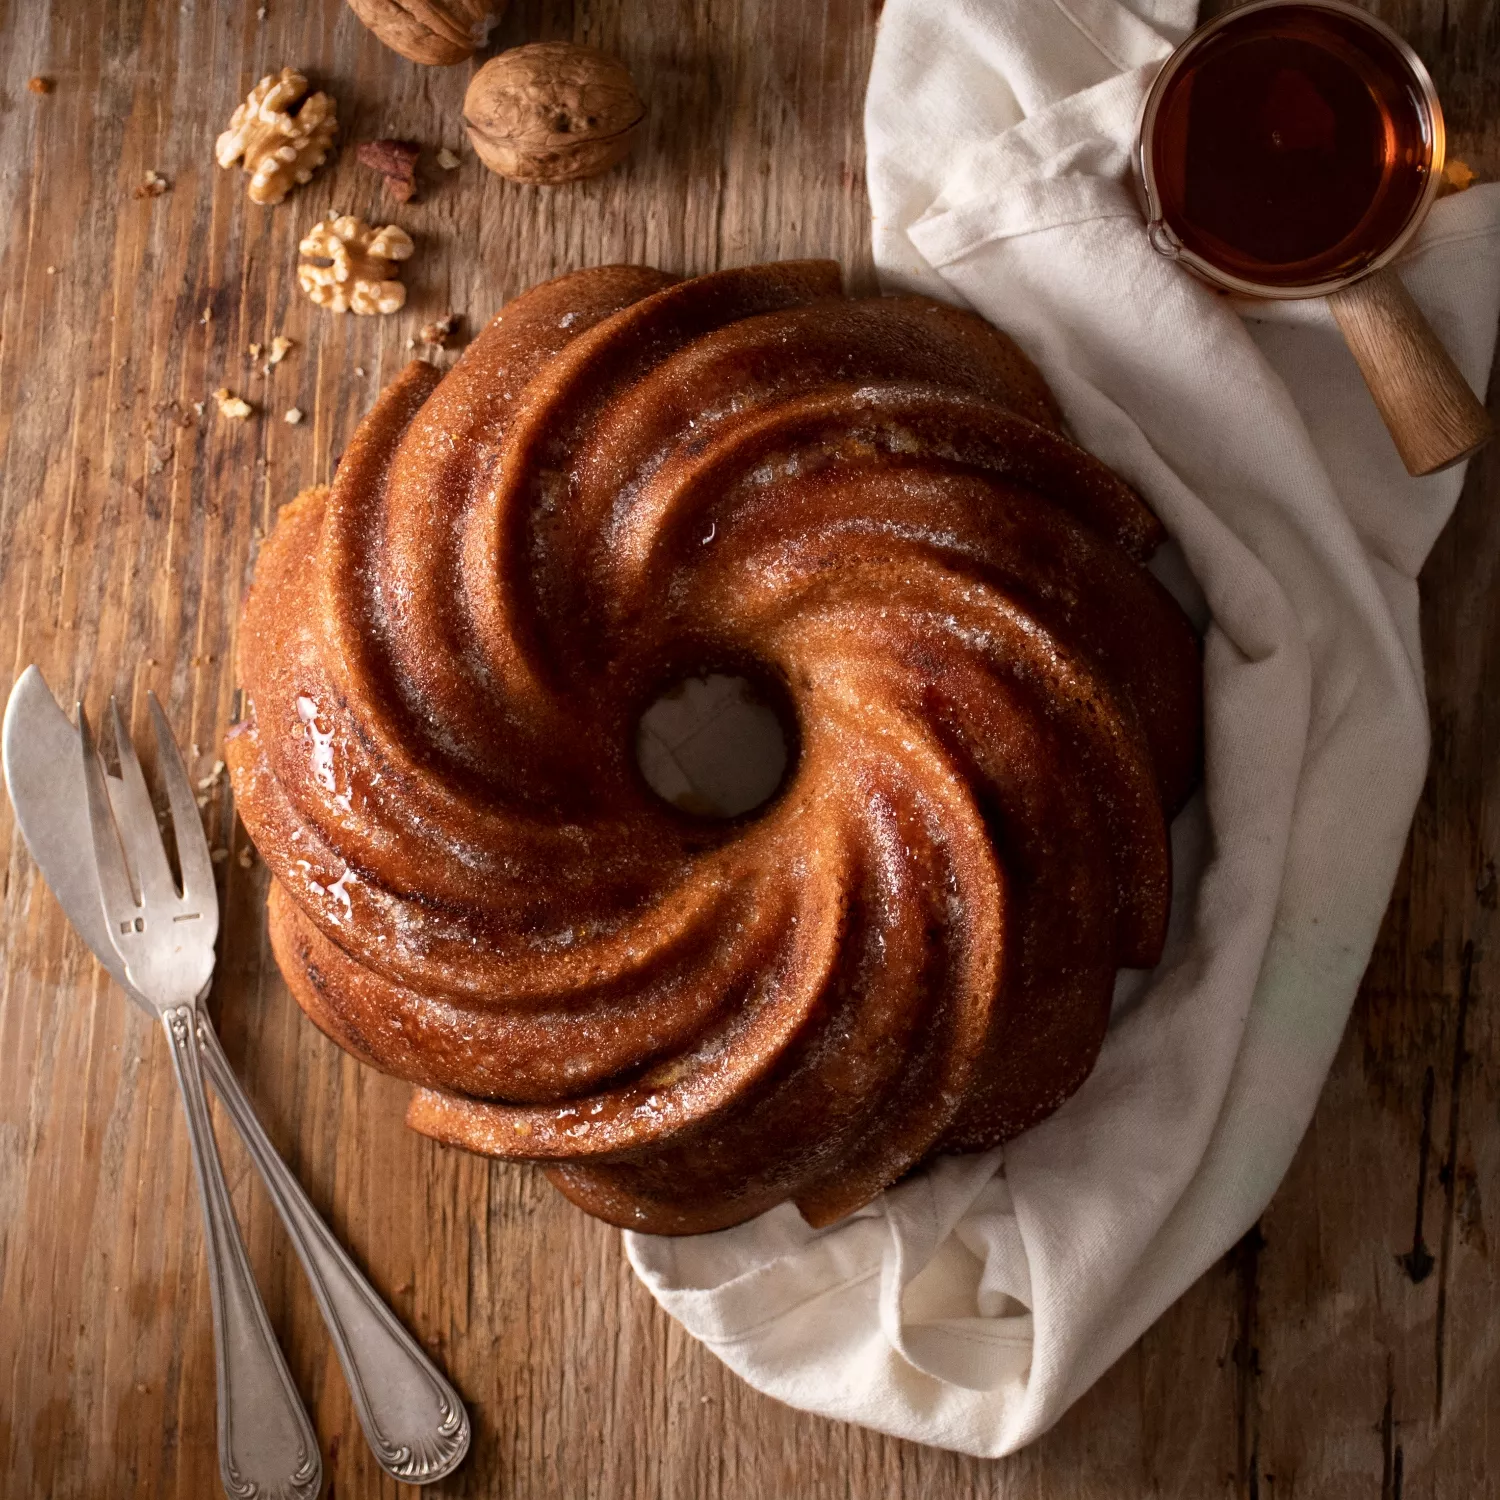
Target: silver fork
412	1418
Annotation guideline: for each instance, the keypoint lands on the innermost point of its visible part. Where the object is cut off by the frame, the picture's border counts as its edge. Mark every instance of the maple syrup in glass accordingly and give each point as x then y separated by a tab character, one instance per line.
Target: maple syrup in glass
1292	146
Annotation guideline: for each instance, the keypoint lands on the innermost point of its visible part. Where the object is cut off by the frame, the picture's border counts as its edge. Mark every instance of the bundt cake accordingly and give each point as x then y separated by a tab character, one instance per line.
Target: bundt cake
864	506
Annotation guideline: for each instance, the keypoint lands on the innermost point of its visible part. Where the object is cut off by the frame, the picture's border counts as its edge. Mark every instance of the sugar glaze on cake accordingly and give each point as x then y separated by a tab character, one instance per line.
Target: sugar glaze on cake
868	507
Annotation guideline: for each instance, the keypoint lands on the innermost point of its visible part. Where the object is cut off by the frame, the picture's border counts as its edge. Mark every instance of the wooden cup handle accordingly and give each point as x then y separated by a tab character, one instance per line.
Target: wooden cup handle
1432	414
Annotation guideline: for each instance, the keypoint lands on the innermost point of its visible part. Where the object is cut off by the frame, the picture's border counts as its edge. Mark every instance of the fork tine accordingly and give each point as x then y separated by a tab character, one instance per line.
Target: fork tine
192	845
115	890
138	827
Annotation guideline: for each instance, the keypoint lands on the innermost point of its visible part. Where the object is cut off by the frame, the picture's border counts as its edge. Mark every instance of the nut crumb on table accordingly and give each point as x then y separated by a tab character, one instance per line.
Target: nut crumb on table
40	85
1457	176
436	333
236	408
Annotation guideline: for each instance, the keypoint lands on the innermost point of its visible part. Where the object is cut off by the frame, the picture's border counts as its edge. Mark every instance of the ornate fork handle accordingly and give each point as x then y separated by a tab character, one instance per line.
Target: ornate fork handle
413	1419
267	1448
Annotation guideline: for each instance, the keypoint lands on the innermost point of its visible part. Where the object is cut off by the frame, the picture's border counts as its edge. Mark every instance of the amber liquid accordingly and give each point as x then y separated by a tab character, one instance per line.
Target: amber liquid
1292	147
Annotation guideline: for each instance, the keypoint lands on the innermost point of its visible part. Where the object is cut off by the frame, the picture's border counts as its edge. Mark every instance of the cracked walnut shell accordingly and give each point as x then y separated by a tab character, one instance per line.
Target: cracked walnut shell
279	149
350	266
552	112
430	31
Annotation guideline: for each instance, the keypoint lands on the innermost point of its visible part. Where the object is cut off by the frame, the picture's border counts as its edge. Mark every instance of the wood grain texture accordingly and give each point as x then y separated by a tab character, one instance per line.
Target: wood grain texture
1349	1346
1432	415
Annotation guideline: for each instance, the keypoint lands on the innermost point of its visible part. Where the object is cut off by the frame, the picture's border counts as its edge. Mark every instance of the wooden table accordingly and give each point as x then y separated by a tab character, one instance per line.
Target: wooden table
1349	1346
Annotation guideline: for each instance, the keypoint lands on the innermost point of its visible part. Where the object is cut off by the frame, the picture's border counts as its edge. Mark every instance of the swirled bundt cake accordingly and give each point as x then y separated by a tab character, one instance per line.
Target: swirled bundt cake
865	506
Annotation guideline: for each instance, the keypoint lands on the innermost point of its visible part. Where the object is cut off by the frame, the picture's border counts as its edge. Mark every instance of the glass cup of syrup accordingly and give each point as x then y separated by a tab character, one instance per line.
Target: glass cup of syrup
1291	148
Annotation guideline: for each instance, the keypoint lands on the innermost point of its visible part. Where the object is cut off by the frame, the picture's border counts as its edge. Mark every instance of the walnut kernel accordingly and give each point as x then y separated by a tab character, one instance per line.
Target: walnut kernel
40	85
552	112
279	148
430	31
396	161
350	266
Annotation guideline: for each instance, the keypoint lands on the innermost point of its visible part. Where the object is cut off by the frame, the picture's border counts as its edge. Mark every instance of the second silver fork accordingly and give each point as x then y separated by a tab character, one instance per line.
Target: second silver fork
412	1418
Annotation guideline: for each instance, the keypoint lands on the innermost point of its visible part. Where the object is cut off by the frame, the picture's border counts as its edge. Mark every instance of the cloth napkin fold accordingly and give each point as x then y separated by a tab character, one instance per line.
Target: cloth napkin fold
971	1305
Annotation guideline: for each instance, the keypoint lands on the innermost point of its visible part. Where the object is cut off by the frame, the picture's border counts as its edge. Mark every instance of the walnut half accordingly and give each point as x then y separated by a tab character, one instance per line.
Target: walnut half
279	149
350	266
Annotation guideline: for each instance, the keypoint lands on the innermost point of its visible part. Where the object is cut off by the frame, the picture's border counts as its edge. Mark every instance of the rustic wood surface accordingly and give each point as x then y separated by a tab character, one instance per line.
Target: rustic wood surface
1349	1346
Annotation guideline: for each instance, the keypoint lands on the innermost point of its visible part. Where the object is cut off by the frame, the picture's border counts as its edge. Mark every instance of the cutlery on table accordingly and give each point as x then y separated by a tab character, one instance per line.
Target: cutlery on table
96	839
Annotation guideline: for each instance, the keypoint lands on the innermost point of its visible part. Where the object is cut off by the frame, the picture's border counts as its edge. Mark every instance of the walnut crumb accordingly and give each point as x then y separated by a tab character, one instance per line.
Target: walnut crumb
1458	176
396	161
351	266
447	160
293	416
360	371
198	408
40	85
218	855
253	350
281	346
278	148
152	186
439	331
246	858
234	407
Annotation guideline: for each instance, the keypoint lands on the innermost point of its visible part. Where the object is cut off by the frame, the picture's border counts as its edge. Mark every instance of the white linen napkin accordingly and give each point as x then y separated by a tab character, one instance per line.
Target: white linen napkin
970	1305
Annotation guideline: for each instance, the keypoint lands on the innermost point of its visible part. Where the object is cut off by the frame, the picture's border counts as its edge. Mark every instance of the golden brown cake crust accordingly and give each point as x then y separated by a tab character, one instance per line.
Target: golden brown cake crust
869	506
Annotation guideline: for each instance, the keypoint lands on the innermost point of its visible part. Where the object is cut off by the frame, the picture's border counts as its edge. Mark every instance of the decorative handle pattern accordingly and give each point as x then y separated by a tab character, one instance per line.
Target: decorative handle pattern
267	1447
412	1417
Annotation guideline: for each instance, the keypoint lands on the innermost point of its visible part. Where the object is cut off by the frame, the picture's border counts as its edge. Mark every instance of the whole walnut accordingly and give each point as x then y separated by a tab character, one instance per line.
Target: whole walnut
430	31
552	112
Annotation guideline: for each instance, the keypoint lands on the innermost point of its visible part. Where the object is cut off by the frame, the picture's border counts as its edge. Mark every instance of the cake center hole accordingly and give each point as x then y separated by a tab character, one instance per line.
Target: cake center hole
712	745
